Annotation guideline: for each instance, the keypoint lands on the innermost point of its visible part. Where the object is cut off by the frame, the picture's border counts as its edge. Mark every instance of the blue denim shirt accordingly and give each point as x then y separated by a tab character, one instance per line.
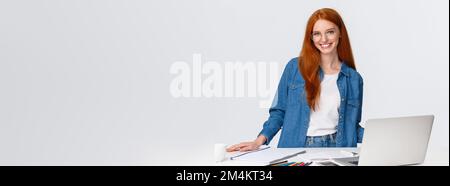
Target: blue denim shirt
291	113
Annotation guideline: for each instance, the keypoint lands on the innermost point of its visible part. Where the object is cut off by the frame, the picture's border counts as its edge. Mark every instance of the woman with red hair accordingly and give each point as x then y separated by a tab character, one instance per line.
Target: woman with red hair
319	98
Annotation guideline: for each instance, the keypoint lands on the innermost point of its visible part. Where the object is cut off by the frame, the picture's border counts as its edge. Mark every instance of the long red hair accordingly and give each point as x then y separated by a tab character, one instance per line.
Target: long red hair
309	60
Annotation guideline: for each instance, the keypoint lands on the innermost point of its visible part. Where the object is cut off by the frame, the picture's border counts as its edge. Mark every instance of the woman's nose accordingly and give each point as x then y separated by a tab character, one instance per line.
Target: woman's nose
323	39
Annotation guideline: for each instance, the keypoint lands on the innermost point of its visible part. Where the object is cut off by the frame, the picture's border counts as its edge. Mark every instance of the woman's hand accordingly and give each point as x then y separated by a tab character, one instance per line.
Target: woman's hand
248	146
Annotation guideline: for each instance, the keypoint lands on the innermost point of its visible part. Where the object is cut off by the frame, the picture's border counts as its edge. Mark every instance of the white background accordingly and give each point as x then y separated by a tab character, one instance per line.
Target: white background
87	82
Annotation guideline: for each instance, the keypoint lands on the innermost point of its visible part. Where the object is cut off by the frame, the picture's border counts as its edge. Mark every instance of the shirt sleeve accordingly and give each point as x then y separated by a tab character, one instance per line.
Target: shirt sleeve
278	108
360	130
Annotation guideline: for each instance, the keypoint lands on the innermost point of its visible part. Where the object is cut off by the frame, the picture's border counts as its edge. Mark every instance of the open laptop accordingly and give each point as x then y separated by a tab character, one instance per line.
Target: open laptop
393	141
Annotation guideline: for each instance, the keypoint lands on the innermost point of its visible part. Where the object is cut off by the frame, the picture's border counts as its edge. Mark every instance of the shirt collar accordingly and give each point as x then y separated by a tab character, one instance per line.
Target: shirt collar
344	70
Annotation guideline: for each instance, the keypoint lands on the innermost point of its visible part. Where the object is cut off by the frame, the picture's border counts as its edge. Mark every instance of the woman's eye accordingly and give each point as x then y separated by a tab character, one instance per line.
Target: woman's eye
330	32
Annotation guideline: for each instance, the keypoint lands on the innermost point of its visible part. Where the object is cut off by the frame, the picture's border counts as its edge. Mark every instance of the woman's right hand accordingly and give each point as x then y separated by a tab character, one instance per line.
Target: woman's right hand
248	146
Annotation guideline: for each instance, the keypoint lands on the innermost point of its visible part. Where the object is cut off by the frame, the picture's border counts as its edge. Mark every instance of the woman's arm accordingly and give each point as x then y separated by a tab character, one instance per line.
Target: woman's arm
278	108
276	118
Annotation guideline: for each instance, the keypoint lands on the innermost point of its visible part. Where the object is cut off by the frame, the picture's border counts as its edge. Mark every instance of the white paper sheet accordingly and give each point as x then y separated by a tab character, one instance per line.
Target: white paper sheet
263	156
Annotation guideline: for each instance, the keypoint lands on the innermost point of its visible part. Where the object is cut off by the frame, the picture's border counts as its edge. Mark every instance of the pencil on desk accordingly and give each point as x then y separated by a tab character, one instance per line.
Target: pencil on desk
289	156
287	164
278	163
257	150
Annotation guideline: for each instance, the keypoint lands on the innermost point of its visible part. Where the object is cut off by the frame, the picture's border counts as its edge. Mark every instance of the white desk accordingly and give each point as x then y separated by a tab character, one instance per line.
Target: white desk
310	152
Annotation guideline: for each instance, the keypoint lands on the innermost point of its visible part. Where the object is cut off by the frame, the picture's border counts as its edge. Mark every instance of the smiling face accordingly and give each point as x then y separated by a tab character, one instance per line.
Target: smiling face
325	36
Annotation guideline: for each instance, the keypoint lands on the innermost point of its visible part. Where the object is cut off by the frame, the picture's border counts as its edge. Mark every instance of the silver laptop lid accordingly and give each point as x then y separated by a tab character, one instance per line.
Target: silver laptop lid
396	141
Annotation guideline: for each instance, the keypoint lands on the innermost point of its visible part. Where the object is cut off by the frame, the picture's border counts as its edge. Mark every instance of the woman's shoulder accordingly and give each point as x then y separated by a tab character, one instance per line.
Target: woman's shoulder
351	73
292	64
291	70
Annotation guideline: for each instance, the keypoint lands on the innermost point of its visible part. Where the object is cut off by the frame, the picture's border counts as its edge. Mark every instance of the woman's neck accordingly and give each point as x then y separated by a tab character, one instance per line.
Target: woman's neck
330	63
